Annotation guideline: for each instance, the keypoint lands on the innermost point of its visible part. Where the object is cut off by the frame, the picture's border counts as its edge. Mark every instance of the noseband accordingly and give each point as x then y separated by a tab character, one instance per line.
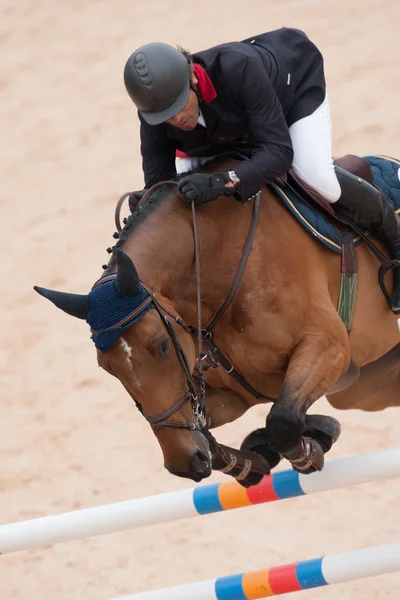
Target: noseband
198	407
205	360
197	400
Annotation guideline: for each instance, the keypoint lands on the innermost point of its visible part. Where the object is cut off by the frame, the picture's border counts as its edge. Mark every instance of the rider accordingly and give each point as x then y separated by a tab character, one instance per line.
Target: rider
267	92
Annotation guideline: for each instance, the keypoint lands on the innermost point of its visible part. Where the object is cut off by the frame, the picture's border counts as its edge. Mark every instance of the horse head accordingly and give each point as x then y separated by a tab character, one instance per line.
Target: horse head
140	342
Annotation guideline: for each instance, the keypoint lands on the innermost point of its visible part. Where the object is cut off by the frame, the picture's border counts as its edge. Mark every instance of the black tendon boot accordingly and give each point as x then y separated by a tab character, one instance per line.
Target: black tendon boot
369	209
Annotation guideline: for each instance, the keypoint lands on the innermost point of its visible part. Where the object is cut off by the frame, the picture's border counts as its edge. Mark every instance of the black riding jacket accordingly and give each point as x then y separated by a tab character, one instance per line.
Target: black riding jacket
263	85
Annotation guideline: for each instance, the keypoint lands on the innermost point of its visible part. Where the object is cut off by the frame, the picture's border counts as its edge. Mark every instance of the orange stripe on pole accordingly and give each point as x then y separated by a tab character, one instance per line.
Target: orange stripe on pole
256	585
232	495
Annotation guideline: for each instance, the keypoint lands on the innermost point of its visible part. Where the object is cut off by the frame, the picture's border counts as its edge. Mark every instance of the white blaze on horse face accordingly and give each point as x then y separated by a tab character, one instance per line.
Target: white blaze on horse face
127	349
128	352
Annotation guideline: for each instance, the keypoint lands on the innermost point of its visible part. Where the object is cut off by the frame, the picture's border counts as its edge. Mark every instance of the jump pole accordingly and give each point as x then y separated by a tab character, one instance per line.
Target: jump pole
304	575
192	502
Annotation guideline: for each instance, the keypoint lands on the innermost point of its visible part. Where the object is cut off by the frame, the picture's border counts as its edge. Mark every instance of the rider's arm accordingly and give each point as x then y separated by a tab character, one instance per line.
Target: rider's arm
252	91
158	154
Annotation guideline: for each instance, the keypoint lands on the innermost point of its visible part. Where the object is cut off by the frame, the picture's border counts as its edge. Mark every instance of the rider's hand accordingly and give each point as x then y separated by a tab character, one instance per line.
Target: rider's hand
203	187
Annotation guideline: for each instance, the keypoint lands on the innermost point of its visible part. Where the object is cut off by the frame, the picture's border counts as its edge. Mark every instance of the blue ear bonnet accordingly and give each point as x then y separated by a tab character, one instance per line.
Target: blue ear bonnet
107	309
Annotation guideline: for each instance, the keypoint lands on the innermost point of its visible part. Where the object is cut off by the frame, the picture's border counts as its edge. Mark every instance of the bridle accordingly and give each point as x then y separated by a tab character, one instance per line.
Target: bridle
205	360
198	409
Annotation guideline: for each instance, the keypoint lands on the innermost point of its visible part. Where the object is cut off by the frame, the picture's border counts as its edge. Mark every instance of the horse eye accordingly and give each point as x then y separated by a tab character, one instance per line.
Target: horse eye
163	347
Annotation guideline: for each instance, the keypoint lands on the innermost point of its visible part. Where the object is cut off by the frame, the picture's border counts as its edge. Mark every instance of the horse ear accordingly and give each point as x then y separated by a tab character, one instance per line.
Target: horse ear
127	282
76	305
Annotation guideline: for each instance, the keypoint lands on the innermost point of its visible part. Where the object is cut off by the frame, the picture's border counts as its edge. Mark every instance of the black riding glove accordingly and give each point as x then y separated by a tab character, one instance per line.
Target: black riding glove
202	187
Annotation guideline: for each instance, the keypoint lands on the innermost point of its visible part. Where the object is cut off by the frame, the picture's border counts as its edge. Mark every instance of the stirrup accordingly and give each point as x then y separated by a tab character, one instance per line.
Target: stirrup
394	264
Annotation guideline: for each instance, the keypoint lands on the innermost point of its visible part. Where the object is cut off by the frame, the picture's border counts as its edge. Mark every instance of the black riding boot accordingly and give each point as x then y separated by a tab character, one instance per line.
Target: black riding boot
369	209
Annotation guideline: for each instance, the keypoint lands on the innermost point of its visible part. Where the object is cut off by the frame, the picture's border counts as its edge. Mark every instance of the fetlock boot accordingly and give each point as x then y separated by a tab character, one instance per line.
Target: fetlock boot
369	209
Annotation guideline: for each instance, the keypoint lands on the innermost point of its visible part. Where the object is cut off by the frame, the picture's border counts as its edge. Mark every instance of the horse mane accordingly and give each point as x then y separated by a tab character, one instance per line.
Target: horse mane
139	215
153	202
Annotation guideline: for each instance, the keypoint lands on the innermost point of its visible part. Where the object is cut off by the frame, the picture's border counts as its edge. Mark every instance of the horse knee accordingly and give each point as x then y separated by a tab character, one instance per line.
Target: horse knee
323	180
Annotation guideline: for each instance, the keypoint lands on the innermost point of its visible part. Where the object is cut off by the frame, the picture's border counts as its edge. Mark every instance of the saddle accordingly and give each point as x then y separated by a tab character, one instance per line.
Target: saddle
339	234
350	162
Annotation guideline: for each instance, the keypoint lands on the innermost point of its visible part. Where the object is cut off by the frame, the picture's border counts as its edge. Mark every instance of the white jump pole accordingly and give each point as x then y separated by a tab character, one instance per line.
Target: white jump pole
308	574
172	506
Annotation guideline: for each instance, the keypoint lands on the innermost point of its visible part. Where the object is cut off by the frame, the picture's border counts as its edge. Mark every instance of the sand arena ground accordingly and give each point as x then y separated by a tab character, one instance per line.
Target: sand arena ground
69	434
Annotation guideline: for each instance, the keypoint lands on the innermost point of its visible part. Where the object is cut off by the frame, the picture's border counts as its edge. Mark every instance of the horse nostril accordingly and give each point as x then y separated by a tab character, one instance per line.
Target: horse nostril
200	463
202	457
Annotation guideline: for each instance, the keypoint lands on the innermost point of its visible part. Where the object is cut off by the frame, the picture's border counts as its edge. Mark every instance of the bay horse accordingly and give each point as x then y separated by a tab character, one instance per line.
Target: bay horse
277	338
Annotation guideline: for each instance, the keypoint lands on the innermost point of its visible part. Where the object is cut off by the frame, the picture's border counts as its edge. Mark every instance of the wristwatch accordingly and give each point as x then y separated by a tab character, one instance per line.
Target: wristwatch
236	185
234	178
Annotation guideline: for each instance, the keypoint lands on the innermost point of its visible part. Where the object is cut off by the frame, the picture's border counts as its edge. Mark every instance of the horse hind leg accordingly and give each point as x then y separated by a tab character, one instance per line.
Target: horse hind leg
377	388
315	366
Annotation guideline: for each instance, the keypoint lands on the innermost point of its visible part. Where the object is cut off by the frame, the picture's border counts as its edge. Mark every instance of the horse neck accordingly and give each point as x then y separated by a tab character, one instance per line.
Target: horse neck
162	248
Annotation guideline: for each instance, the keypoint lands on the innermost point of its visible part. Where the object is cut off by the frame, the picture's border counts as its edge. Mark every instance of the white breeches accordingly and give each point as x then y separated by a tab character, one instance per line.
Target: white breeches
188	164
312	146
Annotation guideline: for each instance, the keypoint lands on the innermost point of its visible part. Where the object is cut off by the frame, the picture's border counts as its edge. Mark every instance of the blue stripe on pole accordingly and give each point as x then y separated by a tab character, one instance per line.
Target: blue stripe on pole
230	588
309	573
205	499
286	484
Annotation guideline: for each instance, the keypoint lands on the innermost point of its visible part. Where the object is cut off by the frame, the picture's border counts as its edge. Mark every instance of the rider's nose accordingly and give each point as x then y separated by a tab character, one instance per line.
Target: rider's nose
178	119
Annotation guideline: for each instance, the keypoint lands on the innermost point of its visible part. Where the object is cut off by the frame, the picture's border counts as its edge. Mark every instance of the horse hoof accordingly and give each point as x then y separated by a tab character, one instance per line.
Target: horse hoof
250	480
328	425
326	430
256	441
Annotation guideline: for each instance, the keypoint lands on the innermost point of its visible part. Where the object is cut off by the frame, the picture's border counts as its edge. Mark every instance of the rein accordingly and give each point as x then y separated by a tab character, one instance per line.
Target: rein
160	420
205	360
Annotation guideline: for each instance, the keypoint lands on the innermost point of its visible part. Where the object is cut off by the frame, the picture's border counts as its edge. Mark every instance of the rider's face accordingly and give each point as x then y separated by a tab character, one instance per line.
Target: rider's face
186	119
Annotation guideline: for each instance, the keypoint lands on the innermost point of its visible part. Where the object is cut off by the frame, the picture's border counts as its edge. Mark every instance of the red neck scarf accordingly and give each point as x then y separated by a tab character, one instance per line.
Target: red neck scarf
206	91
205	86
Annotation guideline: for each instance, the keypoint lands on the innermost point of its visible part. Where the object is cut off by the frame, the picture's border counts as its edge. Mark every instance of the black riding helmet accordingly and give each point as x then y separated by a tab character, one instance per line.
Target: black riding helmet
156	78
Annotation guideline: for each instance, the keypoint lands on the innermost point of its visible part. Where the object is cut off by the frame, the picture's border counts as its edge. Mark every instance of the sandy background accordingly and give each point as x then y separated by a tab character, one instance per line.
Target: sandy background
70	436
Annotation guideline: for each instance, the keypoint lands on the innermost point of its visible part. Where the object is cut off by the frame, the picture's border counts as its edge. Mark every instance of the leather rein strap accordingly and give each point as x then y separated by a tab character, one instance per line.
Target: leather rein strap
160	420
207	335
214	357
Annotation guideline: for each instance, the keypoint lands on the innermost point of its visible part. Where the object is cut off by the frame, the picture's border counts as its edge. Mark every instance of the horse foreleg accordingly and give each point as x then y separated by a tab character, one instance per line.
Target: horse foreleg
315	365
247	467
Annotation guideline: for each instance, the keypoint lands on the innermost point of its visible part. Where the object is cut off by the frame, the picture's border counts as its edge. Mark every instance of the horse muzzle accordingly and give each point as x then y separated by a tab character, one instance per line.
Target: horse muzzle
199	466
